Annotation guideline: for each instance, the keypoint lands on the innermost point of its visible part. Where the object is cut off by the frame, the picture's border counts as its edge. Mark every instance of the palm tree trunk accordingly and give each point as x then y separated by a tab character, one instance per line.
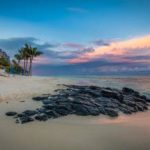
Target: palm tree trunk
31	67
24	65
27	73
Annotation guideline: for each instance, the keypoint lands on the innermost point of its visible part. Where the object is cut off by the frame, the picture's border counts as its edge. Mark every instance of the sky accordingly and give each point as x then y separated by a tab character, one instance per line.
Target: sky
93	37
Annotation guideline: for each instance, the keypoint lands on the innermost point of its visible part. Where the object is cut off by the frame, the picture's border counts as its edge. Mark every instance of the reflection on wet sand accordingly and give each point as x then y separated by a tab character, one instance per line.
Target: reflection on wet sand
74	132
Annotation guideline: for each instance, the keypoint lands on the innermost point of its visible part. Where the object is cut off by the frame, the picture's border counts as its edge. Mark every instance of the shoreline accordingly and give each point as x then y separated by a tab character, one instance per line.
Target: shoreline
22	88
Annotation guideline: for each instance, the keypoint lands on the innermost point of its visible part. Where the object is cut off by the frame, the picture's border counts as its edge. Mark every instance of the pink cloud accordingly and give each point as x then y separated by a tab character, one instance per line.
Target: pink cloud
41	60
130	47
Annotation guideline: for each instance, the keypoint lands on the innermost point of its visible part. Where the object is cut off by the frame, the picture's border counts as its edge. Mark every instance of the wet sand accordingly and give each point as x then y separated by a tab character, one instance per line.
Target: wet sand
74	132
70	132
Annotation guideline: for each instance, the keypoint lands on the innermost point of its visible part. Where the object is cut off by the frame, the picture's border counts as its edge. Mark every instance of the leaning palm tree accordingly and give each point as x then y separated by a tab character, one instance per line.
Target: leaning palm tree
21	53
26	55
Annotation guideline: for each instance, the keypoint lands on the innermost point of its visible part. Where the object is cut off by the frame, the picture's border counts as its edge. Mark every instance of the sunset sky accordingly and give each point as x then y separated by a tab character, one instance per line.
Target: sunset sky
103	37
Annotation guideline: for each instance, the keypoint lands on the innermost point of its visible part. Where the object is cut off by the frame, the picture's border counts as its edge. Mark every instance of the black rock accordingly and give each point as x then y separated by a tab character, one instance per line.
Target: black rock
84	101
62	112
39	98
25	119
11	113
91	92
30	112
140	106
139	100
126	90
52	114
112	94
41	110
41	117
125	110
49	106
80	110
111	112
94	111
130	103
63	109
46	101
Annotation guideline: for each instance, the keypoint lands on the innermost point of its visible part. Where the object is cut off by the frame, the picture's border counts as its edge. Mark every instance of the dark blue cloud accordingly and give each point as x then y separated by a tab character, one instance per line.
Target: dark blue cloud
50	50
101	42
139	57
12	45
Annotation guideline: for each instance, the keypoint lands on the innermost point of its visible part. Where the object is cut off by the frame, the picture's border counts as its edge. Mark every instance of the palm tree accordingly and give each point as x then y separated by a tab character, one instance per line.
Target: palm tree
21	53
18	57
33	52
16	68
27	54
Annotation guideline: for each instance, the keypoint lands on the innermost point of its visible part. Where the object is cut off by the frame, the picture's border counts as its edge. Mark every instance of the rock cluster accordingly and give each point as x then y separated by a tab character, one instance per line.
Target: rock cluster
84	100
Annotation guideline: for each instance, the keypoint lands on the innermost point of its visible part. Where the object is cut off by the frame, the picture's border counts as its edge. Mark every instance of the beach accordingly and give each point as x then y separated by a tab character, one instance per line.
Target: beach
70	132
22	87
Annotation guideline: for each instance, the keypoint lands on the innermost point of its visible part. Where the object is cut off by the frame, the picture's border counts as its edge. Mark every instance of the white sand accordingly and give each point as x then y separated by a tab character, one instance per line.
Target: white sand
21	88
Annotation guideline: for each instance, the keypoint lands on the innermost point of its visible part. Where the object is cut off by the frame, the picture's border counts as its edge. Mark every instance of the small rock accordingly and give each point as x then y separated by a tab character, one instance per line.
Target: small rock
39	98
30	112
22	101
25	119
11	113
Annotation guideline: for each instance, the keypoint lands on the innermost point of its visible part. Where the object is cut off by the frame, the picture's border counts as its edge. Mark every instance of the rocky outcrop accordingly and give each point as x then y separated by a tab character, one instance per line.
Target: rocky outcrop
84	101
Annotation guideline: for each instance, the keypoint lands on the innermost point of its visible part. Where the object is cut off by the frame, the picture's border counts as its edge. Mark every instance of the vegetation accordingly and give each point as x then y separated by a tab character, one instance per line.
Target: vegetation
4	63
22	62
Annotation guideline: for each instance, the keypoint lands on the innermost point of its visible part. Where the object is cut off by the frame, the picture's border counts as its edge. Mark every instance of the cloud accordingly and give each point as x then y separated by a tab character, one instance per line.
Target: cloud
53	52
96	67
77	9
72	45
68	54
131	47
104	57
138	57
12	45
101	42
15	43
